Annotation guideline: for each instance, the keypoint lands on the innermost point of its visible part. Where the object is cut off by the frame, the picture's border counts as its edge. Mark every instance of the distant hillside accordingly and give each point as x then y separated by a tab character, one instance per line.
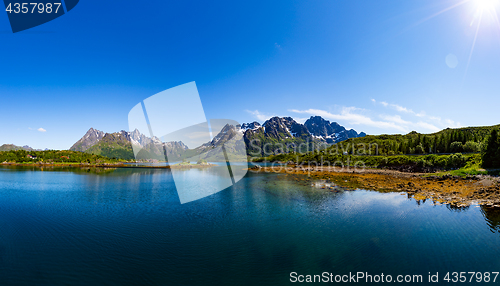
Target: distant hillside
51	156
112	146
10	147
88	140
439	151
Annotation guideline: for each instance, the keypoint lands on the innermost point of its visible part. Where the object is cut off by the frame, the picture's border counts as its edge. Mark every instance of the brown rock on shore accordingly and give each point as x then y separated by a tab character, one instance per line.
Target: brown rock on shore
457	191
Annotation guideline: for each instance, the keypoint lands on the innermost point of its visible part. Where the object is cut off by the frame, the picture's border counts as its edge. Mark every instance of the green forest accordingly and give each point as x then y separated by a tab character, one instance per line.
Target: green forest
467	148
460	140
52	156
491	151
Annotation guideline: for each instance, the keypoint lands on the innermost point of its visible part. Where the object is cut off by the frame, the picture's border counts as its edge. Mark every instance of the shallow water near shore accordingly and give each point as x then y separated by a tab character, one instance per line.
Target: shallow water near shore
127	227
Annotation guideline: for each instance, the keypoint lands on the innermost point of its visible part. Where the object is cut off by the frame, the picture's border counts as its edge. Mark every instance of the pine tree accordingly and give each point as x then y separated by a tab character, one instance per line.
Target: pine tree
491	154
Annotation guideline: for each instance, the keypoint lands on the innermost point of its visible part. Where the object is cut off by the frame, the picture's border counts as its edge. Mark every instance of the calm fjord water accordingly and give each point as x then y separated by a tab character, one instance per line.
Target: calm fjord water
127	227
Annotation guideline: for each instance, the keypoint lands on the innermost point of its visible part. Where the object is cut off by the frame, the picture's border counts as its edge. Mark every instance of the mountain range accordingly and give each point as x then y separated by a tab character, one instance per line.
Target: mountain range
275	130
12	147
270	138
121	145
284	134
314	128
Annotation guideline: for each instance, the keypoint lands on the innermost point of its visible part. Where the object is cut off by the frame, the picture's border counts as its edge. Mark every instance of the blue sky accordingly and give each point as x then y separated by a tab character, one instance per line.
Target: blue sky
375	66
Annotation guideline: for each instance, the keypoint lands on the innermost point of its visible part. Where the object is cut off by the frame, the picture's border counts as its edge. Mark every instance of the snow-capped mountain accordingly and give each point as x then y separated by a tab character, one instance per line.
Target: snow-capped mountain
250	126
93	137
329	132
275	130
122	145
315	128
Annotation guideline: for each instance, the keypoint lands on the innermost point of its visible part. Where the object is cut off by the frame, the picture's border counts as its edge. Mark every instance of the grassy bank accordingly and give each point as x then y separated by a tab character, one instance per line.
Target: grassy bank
453	164
54	157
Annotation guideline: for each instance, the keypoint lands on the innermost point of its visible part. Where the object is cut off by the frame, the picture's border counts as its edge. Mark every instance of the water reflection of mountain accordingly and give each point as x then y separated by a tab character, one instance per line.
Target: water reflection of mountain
492	217
456	208
91	170
281	186
491	214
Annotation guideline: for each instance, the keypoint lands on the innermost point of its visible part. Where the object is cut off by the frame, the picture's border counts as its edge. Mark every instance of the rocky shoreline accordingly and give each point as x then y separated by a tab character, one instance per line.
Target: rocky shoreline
453	190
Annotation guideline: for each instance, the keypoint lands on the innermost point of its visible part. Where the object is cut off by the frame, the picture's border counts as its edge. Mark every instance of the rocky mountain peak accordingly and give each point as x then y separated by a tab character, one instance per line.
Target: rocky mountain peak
252	126
337	127
227	132
277	127
318	126
315	128
95	141
90	138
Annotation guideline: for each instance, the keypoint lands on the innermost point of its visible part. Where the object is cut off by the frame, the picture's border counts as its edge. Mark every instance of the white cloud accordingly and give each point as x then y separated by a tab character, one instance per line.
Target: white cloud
427	126
395	118
452	124
388	123
420	125
39	129
301	120
395	123
259	115
395	106
430	126
349	116
401	108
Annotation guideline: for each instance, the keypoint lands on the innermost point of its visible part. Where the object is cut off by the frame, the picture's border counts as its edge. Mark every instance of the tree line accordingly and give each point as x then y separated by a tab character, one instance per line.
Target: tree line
482	144
491	152
52	156
461	140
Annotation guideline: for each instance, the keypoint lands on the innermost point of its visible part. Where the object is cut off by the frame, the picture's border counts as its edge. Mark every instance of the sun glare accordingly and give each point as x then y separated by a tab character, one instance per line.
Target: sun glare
487	5
483	11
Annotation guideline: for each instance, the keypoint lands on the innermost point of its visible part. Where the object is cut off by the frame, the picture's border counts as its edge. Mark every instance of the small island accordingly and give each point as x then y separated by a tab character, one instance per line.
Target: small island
188	165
